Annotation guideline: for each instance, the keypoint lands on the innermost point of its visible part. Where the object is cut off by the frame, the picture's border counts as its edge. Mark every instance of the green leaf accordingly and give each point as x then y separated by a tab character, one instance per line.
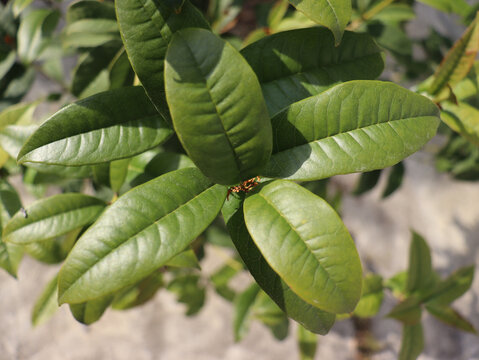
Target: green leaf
277	13
91	74
355	126
307	343
15	84
19	113
12	138
367	181
397	284
139	293
312	318
20	5
146	28
33	33
334	14
394	179
450	289
460	7
90	9
462	118
420	273
10	254
91	311
243	306
221	277
89	131
7	59
52	251
458	61
451	317
371	297
121	73
217	108
189	291
407	311
138	233
46	305
412	342
118	173
53	216
296	64
186	258
270	314
317	257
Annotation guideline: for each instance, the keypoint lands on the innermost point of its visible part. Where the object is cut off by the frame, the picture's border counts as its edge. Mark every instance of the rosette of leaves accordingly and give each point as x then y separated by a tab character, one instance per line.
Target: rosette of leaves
290	107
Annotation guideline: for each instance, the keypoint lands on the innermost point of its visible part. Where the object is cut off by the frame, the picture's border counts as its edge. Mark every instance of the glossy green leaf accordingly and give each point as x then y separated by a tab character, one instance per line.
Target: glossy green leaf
294	65
317	257
334	14
189	291
408	311
139	293
458	61
355	126
89	131
146	28
10	254
394	179
367	181
186	258
33	33
371	296
314	319
91	311
451	288
307	343
46	305
412	342
420	272
53	216
138	233
451	317
91	74
217	108
243	306
462	118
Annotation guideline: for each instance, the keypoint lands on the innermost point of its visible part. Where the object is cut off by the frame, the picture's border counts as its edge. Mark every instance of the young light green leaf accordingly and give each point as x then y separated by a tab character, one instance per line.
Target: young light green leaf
19	113
46	305
408	311
53	216
307	244
355	126
243	306
89	131
450	289
462	118
307	343
451	317
146	28
420	273
371	296
412	342
293	65
140	232
217	108
458	61
33	33
314	319
334	14
91	311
